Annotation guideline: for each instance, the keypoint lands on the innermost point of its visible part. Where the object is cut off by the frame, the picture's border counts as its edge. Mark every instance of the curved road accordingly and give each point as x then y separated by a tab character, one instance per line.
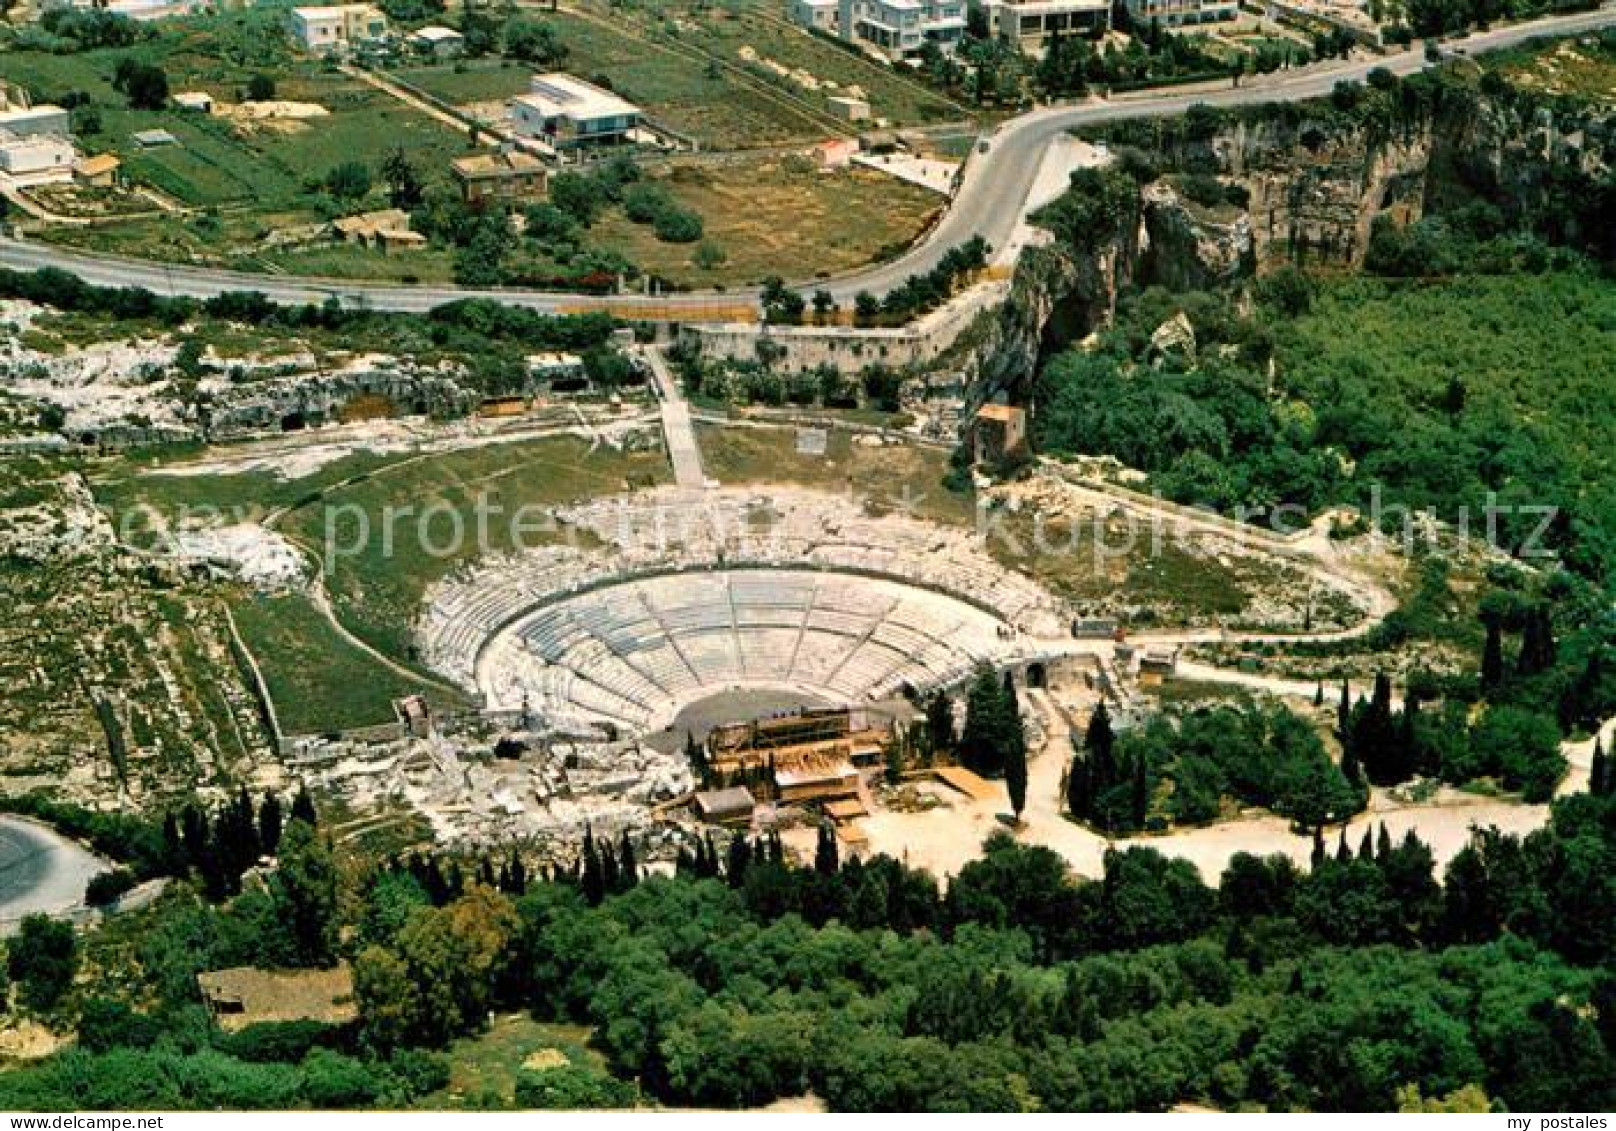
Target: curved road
40	871
989	202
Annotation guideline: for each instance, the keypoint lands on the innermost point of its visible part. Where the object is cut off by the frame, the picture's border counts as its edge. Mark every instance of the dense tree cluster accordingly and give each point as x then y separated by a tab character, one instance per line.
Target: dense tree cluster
1181	770
1360	983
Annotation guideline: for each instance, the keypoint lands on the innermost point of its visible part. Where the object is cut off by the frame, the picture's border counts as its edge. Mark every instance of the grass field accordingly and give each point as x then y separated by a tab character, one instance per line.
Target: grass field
376	587
885	476
318	681
775	216
483	1069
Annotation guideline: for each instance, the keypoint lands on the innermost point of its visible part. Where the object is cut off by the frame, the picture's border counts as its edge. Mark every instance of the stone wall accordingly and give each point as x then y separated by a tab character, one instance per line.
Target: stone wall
844	348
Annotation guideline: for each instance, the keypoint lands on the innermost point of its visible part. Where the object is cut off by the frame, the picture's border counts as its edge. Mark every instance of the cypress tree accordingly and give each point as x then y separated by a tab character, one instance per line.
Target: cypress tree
628	865
1383	844
1366	846
1537	643
593	878
1079	790
1492	659
1599	772
1141	792
1318	846
174	862
610	875
827	857
1343	713
303	807
740	858
1100	741
270	824
1015	776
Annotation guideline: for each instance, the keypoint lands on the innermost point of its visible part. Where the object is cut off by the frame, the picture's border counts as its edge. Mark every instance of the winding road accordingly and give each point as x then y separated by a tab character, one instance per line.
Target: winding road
989	202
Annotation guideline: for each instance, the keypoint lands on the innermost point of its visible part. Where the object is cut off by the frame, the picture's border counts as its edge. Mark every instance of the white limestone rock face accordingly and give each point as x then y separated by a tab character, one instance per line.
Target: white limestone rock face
65	524
258	556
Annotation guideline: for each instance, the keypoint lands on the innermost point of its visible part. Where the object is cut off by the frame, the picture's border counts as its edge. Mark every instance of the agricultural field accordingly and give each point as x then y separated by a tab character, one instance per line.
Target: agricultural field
774	216
736	77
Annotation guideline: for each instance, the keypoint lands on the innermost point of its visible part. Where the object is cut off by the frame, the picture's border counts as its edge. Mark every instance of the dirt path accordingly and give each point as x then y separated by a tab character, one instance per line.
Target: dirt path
414	102
943	840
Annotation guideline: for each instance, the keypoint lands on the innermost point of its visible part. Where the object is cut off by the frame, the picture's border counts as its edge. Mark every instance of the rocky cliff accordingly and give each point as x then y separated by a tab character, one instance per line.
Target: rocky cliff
1313	180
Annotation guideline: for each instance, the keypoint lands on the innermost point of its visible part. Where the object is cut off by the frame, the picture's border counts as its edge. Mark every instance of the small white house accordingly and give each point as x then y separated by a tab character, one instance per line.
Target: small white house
569	112
815	15
195	101
43	159
335	29
438	42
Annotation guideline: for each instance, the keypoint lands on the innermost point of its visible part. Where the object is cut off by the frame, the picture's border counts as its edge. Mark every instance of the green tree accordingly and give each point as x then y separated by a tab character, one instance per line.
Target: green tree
404	186
349	181
305	889
42	958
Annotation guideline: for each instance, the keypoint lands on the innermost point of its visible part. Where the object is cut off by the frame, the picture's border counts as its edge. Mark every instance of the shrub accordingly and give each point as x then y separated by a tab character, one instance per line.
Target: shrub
105	887
571	1089
678	225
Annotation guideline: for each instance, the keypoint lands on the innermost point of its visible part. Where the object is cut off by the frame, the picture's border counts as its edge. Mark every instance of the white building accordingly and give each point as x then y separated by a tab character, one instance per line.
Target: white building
40	159
1030	23
815	15
33	121
337	28
1182	13
899	29
438	42
567	112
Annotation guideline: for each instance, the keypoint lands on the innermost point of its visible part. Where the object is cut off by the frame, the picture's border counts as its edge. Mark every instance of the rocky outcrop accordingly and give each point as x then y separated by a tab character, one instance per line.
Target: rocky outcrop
1315	193
1059	294
306	400
1315	179
1189	248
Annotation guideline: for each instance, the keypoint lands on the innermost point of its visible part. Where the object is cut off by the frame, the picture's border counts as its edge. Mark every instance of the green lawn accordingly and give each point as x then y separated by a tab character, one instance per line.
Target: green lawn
377	583
484	1068
319	681
471	80
884	476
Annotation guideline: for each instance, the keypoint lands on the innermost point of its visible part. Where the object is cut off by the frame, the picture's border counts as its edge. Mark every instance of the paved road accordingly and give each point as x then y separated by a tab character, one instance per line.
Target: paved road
989	202
40	870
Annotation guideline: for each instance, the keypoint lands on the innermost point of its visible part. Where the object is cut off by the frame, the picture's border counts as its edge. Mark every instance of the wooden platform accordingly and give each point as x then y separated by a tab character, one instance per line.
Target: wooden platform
971	785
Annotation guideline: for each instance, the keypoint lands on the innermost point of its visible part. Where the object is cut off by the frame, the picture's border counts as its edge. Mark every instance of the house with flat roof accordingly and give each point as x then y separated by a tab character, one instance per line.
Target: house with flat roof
568	112
438	42
900	29
510	175
1029	24
33	121
335	29
815	15
387	229
725	806
40	159
1182	13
